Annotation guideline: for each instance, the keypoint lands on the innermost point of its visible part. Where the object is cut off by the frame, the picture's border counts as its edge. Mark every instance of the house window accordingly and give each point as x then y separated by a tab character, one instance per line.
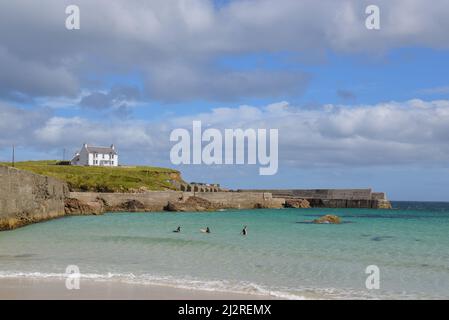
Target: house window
112	162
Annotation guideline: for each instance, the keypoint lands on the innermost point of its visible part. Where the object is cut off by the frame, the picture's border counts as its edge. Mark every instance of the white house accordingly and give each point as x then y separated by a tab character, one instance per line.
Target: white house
96	156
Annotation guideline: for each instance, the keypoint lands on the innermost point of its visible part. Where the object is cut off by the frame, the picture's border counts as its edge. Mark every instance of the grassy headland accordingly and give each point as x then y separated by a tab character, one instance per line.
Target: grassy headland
104	179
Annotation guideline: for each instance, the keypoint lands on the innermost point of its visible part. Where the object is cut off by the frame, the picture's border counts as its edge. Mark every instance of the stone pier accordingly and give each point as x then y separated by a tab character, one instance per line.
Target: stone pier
333	198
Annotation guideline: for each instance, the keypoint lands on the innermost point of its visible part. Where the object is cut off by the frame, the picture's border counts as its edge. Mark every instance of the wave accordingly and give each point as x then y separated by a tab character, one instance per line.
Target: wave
224	286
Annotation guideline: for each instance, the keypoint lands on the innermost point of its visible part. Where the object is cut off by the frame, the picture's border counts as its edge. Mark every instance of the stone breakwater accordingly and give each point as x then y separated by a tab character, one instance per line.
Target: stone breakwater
333	198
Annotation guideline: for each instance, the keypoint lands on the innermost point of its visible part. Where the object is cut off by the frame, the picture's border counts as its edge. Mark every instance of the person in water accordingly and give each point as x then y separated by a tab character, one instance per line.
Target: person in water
207	230
178	229
244	231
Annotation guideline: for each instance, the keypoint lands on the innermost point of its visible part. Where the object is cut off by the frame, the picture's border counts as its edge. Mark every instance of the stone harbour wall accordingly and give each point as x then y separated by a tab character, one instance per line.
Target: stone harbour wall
159	200
334	198
27	198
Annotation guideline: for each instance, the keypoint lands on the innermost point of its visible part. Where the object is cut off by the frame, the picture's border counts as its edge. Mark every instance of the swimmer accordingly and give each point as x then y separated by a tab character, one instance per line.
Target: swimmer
207	230
244	231
178	229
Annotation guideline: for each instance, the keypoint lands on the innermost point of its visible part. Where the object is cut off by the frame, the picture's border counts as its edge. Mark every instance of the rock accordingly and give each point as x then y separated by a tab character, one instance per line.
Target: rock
297	203
76	207
329	218
191	204
132	206
260	206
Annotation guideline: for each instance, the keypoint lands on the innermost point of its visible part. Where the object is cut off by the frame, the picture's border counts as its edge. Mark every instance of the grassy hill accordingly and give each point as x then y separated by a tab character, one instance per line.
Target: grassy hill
103	179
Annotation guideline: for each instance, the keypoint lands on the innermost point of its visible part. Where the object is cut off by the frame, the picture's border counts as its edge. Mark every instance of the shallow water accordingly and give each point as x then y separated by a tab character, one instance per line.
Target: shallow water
279	256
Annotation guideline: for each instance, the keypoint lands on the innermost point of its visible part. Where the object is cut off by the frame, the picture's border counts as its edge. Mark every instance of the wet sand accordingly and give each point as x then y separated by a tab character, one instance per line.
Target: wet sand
51	289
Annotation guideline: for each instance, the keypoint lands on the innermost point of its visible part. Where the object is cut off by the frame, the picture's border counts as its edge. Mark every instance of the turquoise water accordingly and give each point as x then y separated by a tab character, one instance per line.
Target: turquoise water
279	257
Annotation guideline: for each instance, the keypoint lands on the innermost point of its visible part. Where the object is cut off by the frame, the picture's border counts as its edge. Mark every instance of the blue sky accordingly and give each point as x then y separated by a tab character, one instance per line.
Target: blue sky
354	107
402	74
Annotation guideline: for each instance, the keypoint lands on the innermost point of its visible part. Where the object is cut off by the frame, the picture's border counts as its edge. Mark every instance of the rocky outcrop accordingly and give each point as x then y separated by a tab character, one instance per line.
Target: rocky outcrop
297	203
76	207
192	204
130	205
329	218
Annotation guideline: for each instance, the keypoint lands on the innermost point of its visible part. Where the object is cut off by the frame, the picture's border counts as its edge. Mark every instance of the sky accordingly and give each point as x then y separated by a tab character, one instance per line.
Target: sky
355	108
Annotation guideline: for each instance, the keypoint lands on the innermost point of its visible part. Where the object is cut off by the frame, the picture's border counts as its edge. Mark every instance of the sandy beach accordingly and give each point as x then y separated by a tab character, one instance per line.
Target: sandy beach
50	289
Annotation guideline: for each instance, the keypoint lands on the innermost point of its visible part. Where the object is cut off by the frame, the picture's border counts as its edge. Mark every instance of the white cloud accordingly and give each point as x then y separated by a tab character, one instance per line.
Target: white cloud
413	132
175	44
17	125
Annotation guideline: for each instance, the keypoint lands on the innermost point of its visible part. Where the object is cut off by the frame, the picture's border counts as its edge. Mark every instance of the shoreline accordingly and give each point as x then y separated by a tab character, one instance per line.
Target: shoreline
16	288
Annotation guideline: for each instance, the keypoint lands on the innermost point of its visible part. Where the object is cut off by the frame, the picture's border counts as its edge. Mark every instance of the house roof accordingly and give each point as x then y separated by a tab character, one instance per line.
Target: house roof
104	150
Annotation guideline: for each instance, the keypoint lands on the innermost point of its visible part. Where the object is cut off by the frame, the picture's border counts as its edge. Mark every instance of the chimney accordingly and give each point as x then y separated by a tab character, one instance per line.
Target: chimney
85	145
112	147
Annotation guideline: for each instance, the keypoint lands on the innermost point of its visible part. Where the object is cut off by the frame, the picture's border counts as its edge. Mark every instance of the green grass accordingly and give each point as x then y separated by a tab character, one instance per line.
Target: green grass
103	179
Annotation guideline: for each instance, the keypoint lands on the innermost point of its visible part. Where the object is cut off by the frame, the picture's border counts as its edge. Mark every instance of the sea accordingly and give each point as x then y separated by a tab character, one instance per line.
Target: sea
401	253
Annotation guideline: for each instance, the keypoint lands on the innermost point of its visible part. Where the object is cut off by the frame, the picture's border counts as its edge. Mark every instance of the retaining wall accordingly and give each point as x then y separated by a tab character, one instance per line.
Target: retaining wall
158	200
334	198
27	198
